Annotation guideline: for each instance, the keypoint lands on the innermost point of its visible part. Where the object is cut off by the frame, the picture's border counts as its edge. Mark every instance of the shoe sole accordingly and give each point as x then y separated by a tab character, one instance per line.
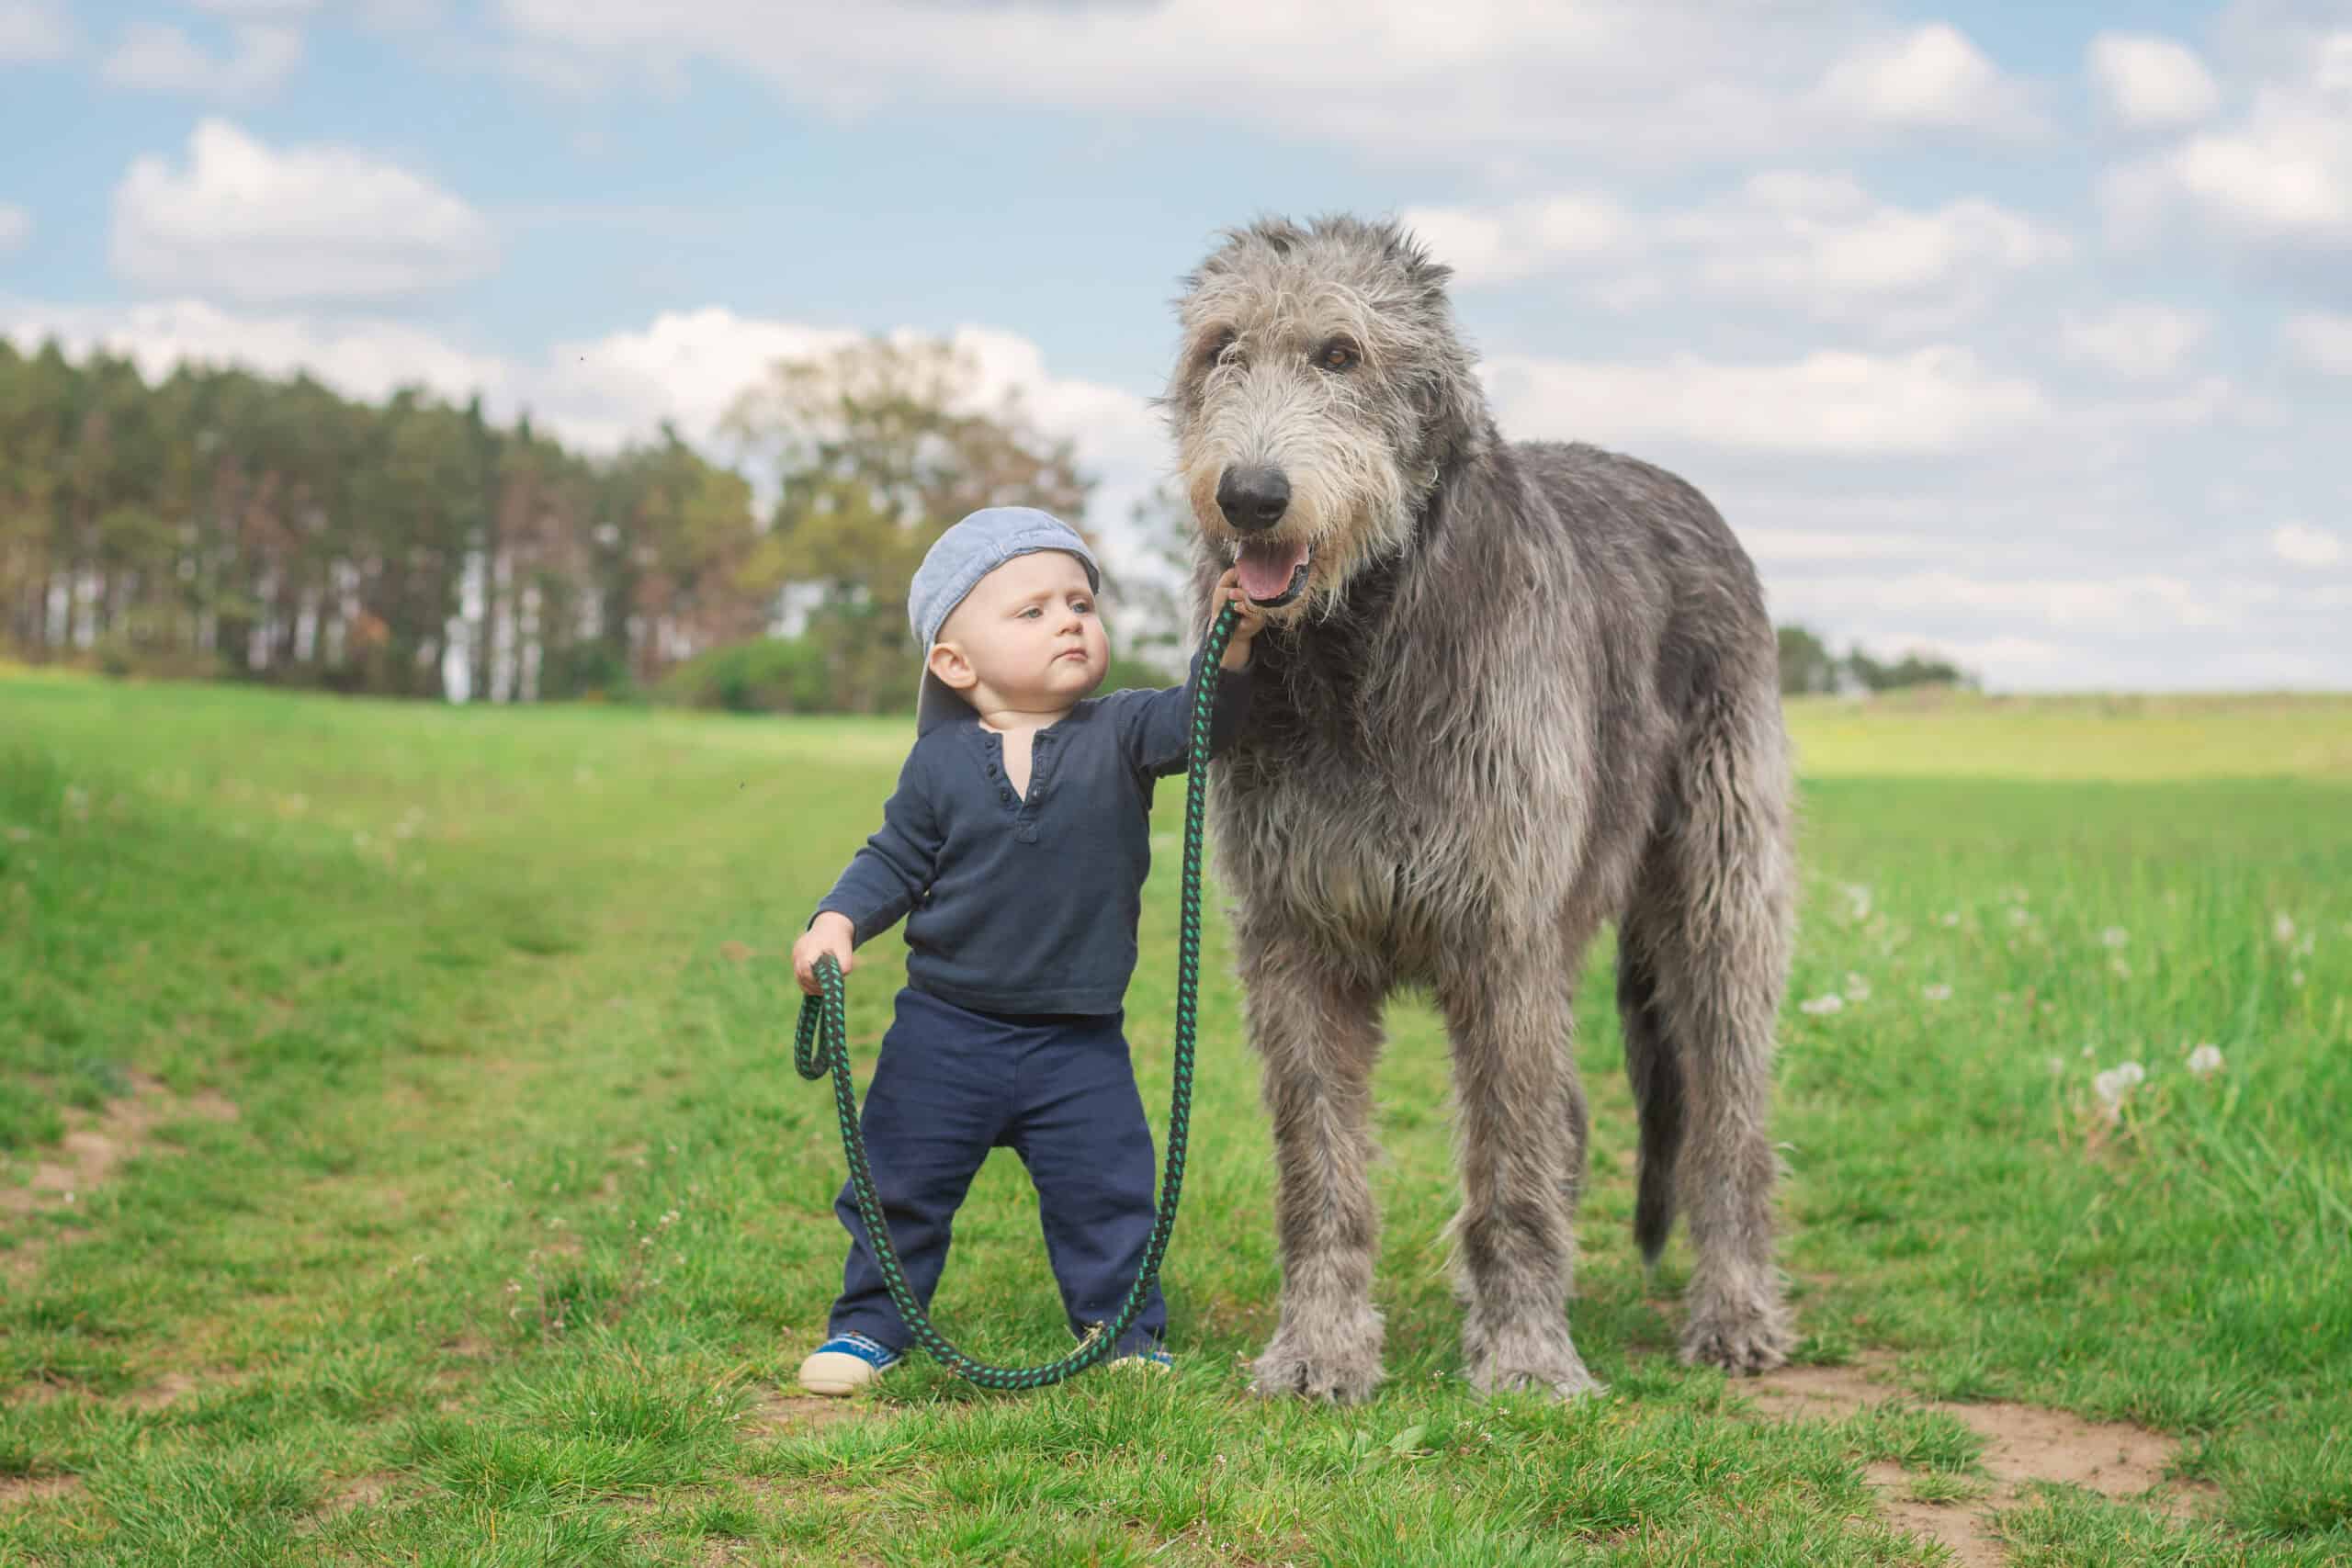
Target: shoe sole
832	1389
839	1381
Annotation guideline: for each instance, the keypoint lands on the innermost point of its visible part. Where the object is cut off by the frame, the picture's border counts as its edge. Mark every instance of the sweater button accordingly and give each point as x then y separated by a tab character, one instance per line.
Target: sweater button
1004	795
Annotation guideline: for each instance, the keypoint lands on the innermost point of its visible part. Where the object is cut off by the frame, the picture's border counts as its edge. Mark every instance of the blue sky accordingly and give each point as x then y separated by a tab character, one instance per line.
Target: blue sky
2011	330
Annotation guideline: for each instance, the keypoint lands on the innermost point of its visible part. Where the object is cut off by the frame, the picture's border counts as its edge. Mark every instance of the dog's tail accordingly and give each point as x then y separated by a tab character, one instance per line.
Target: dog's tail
1657	1077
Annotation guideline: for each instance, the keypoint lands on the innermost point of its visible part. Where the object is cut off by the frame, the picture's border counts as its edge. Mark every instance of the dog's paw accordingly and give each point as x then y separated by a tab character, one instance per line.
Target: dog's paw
1338	1362
1742	1340
1536	1357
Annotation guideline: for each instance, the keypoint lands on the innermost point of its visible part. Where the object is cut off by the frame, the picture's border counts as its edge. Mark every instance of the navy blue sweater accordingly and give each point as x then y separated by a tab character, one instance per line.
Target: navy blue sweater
1028	903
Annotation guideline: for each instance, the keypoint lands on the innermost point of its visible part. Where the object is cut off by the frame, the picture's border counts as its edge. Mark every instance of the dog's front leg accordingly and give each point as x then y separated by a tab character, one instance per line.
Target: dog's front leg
1508	1009
1318	1032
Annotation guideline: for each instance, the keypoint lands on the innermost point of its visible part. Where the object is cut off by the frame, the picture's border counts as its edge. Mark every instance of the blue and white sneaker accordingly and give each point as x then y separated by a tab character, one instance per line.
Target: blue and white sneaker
844	1364
1152	1359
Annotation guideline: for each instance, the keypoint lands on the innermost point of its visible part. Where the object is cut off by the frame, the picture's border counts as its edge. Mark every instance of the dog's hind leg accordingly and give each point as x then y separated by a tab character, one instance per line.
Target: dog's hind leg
1507	1004
1318	1032
1656	1072
1706	947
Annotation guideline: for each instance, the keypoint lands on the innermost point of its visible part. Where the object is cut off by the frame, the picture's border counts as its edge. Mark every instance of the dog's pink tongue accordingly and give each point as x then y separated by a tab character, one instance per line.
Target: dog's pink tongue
1265	569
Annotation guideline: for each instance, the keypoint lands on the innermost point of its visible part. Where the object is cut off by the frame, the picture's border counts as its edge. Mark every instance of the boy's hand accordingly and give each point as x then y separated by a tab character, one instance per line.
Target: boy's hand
1245	630
831	934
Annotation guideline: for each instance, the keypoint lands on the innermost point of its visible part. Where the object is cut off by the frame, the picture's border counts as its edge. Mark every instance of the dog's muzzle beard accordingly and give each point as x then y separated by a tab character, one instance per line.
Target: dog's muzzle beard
1272	568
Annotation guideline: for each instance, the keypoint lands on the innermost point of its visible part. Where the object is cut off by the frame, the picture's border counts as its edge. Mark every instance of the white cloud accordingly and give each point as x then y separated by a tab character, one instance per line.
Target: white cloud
1932	77
1818	242
248	222
1641	81
359	357
159	57
258	10
1813	545
1934	399
2131	603
2276	182
599	393
1822	244
2138	340
1499	245
16	223
2150	82
2300	544
33	31
2321	340
2087	631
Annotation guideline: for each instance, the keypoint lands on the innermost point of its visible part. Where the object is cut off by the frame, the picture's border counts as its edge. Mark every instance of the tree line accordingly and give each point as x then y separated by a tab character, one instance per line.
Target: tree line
219	524
1808	668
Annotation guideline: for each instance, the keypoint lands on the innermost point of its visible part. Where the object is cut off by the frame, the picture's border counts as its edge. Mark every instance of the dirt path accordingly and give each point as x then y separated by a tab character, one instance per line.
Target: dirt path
95	1144
2023	1444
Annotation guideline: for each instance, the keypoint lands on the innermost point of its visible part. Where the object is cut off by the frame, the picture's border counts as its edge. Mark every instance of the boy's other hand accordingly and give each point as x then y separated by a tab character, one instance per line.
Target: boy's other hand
1245	630
831	934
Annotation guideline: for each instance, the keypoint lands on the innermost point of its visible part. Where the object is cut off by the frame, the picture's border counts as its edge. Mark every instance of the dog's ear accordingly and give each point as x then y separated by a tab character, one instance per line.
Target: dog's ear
1279	235
1404	250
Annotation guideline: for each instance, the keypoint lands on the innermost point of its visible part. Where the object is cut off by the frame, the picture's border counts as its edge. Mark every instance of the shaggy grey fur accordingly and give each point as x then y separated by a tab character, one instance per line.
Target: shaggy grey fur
1528	688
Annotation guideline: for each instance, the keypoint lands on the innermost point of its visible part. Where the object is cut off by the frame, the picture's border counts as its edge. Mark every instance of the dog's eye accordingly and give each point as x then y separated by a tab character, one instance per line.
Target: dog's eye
1337	355
1213	350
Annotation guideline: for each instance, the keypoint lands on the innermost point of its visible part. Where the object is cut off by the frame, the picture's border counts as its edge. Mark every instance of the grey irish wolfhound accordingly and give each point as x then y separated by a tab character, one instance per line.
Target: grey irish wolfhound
1512	691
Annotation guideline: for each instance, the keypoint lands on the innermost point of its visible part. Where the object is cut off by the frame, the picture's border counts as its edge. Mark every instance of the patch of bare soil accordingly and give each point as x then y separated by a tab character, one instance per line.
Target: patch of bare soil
95	1144
19	1490
359	1492
2023	1444
776	1413
164	1393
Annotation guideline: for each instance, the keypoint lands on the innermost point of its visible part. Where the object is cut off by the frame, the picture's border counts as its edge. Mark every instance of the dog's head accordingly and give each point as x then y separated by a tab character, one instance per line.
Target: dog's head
1320	393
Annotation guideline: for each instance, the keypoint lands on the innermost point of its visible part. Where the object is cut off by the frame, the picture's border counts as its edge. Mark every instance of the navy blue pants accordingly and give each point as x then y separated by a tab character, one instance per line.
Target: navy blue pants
1056	1089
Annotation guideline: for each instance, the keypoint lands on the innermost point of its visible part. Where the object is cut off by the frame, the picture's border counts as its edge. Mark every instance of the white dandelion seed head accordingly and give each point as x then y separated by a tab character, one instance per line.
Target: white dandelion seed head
1857	988
2020	916
1830	1003
2115	936
2057	1065
2282	926
1937	993
1952	916
2205	1061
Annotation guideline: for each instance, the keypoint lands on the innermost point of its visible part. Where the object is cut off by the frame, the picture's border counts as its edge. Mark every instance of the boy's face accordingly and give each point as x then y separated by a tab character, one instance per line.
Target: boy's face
1029	632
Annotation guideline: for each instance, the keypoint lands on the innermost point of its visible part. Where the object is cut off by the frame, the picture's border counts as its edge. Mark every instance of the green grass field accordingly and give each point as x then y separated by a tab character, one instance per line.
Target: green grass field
441	1190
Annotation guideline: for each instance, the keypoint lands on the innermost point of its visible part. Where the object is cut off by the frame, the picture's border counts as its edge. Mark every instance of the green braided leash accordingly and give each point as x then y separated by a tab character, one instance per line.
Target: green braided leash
822	1046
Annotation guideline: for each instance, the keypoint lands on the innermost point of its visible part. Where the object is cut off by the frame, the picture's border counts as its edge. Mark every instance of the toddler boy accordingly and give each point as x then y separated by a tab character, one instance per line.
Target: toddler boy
1015	846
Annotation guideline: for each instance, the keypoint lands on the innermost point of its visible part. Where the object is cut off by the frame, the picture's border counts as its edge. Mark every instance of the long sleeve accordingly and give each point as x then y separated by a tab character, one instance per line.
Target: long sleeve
886	876
1155	726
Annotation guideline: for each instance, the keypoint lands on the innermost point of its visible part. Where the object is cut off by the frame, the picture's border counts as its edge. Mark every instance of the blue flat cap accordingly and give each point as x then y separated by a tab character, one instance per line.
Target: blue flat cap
953	566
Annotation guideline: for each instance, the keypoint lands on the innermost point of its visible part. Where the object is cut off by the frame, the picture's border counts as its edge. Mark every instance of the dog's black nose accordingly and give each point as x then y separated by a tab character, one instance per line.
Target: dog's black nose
1253	499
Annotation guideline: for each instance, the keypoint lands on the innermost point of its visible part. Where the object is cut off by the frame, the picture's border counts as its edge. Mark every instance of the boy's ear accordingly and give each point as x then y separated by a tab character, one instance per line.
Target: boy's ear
952	669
